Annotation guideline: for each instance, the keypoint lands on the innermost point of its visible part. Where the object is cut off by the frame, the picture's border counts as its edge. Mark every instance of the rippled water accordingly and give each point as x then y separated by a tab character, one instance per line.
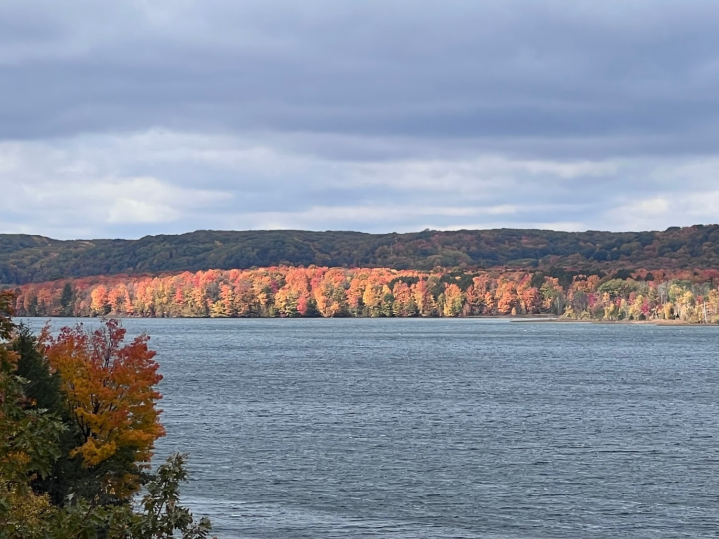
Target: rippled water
443	428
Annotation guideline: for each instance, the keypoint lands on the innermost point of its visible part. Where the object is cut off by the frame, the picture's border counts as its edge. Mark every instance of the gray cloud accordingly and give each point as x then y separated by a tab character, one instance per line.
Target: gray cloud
376	115
489	71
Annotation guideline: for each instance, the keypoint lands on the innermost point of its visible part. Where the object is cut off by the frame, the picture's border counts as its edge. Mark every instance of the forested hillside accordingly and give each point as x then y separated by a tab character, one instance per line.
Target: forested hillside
25	259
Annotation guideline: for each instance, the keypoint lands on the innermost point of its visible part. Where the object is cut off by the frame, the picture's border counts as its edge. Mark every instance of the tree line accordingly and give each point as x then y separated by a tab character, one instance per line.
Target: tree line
78	423
283	291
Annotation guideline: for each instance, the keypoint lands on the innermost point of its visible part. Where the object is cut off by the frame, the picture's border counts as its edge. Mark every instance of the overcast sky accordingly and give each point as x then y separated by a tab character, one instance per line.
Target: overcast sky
134	117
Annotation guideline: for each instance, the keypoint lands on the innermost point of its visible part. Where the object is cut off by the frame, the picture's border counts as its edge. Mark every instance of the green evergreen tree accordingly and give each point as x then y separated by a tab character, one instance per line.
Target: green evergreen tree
66	300
42	387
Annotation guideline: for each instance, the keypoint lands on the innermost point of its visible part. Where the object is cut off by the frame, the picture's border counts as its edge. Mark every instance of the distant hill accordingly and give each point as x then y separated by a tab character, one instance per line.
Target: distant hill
25	258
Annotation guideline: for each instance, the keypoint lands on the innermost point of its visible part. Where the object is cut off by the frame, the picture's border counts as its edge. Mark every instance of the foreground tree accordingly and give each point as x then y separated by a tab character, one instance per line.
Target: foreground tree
111	396
28	442
162	513
78	410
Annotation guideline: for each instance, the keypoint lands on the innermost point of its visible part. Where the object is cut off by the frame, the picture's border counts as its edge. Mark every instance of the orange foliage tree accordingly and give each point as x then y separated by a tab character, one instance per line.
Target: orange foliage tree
110	389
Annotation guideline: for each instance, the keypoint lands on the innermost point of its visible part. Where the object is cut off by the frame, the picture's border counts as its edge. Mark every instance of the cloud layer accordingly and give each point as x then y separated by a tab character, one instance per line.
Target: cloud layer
131	118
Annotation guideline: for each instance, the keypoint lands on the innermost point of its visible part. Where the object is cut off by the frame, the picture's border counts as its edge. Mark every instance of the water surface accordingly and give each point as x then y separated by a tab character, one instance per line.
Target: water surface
443	428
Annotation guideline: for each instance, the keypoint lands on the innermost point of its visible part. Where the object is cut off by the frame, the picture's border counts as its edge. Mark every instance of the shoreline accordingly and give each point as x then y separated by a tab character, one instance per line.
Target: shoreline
540	318
617	322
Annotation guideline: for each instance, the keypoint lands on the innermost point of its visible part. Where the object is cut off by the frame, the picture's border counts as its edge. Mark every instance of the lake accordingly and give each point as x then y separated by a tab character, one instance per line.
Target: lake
437	428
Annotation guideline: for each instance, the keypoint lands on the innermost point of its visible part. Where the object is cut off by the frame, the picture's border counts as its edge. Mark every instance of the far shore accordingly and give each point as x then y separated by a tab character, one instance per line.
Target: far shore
533	318
613	322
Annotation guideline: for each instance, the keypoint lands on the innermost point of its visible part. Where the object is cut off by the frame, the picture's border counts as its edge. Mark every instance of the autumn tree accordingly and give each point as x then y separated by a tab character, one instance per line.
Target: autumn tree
31	437
100	301
372	299
453	300
354	294
110	391
423	299
404	305
506	297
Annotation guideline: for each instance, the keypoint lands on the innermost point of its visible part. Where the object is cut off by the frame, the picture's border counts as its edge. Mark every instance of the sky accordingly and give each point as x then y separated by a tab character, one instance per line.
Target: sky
125	118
